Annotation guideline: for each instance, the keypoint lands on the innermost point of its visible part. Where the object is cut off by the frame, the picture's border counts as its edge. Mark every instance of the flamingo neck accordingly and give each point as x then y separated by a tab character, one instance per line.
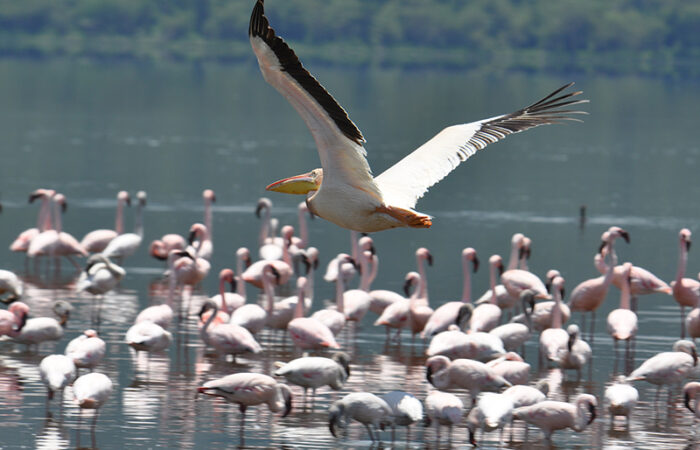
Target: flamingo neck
210	319
208	222
368	273
303	230
222	291
339	292
299	308
309	288
240	287
269	293
467	284
556	309
492	283
682	262
513	258
286	257
625	300
138	224
423	284
44	219
264	227
119	220
58	224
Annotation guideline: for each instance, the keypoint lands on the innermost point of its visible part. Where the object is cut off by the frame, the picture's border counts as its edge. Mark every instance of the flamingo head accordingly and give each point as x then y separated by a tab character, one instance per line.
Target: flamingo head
298	184
685	238
343	359
424	253
497	262
616	232
157	250
209	195
62	310
464	315
335	414
469	254
141	196
123	196
412	279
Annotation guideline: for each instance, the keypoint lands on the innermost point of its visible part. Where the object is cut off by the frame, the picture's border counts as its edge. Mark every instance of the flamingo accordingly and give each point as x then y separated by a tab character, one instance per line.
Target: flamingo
13	319
316	371
250	316
668	367
56	242
692	320
366	408
446	314
126	244
469	374
516	280
398	314
96	240
91	391
57	372
279	314
100	275
622	322
381	298
551	415
588	295
203	249
226	338
511	367
621	399
86	350
42	329
10	286
455	344
686	291
250	389
162	315
21	242
576	353
522	395
515	334
148	336
443	408
351	197
487	315
355	301
334	319
406	409
189	269
161	248
554	338
227	302
492	412
306	332
542	316
691	398
503	299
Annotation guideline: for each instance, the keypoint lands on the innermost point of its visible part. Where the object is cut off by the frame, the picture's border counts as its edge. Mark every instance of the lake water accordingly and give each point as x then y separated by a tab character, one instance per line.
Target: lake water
89	129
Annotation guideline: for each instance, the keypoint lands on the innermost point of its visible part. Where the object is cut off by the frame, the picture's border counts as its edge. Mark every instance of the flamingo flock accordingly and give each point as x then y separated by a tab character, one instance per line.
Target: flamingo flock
475	375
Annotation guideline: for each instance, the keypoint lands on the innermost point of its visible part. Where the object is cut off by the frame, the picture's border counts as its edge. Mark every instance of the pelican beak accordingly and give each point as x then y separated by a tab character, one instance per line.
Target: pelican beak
299	184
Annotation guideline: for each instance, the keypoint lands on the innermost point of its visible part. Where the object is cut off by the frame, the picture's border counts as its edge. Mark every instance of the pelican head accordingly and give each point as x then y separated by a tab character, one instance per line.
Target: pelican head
299	184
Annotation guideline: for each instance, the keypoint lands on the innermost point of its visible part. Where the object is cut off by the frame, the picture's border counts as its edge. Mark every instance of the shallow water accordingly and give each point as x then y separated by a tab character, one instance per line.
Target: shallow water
89	130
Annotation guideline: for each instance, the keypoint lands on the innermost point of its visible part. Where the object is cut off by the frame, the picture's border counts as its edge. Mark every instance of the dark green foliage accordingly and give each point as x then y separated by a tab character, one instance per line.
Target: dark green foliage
529	34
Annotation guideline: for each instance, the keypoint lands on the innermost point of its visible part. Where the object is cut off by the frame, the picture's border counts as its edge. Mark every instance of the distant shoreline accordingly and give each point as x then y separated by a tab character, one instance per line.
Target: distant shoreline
660	63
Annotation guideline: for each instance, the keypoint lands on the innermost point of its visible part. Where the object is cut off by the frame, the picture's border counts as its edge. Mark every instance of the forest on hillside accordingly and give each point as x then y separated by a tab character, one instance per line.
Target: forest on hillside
618	36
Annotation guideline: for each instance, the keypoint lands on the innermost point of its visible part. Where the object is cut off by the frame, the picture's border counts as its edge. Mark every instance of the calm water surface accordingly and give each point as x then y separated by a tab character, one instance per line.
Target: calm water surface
91	129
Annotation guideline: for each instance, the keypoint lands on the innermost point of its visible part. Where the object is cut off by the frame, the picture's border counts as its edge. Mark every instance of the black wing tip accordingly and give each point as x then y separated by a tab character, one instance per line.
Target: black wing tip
258	22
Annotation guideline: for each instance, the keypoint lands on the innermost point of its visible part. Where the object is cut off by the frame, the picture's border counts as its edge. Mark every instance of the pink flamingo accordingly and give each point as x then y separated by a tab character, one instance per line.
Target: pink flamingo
692	320
447	313
668	367
516	281
487	315
381	298
588	295
91	391
203	248
251	316
250	389
86	350
254	273
279	314
56	242
467	374
160	248
512	367
334	319
686	291
316	371
398	314
622	322
21	242
642	282
621	399
96	240
162	315
126	244
356	301
503	298
515	334
541	316
553	339
13	319
189	269
306	332
691	398
474	345
550	415
226	338
57	372
228	302
206	245
443	408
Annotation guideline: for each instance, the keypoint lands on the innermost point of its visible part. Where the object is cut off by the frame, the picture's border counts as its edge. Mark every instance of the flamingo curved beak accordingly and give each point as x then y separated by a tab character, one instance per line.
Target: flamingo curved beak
299	184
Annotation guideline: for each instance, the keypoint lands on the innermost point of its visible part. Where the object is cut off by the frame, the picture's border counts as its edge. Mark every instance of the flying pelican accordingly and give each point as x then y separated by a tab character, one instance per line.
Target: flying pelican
349	195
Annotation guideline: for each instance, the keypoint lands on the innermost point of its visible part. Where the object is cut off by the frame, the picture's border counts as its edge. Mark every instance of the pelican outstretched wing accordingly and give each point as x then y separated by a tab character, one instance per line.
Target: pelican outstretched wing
409	179
338	140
